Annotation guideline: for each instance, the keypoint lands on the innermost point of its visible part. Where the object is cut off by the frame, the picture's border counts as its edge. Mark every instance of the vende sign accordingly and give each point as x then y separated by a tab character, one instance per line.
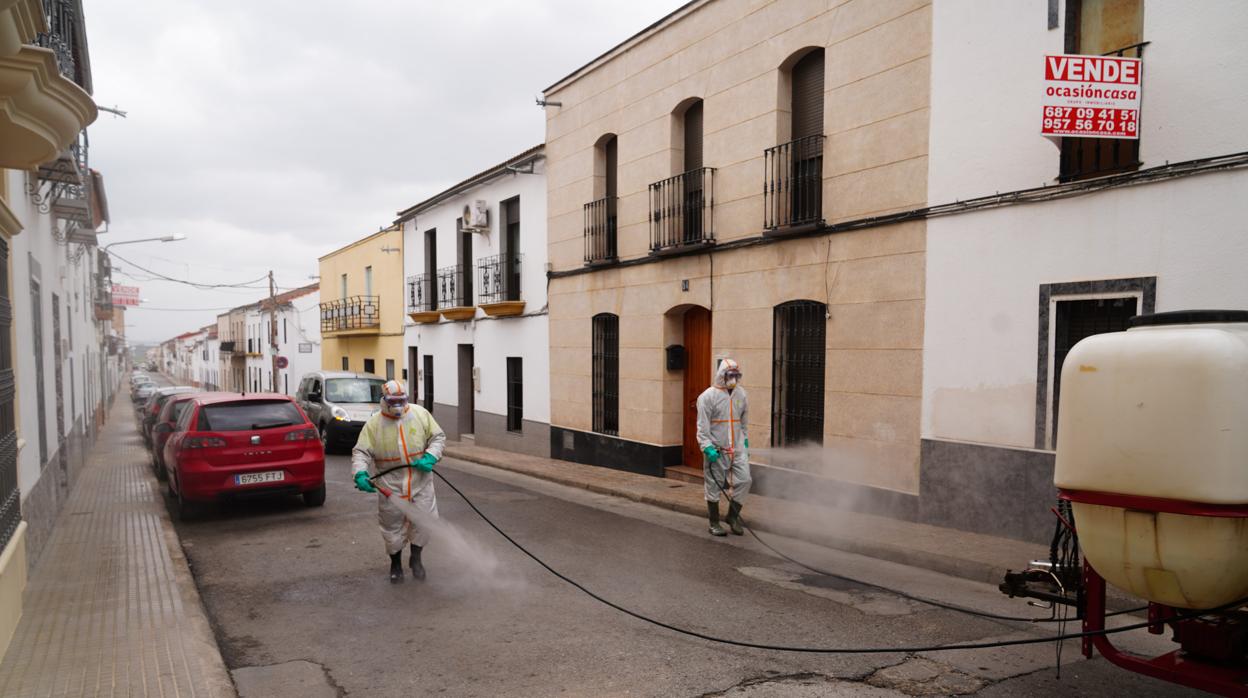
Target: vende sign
125	295
1091	96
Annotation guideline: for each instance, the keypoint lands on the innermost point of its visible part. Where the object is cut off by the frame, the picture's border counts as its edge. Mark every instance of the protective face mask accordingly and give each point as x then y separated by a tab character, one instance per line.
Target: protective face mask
730	382
394	406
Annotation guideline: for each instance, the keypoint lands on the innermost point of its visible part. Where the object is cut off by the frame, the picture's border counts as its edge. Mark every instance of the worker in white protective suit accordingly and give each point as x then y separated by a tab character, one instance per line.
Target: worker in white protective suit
724	440
405	437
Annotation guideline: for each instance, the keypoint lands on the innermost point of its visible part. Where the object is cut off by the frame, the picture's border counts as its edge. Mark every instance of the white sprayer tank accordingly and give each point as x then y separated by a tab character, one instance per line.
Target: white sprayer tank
1152	430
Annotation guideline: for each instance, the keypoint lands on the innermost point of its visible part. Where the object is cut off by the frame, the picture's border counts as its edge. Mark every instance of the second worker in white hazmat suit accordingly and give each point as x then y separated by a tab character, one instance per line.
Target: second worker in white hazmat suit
405	438
723	438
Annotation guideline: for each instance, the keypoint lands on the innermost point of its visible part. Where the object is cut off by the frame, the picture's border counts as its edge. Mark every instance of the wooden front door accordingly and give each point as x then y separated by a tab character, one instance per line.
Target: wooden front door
697	377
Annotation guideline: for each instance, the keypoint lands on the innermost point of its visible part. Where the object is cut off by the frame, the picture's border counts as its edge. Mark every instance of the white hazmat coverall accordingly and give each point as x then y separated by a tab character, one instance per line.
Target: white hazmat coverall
722	424
386	442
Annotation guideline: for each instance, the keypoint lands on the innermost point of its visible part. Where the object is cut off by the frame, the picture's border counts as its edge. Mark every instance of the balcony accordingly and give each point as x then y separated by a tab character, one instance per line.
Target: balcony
600	227
1085	158
43	87
455	293
793	186
499	277
350	316
682	212
422	303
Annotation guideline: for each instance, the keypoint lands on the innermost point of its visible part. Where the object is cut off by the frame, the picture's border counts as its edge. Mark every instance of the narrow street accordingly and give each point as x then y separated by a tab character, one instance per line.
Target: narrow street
299	599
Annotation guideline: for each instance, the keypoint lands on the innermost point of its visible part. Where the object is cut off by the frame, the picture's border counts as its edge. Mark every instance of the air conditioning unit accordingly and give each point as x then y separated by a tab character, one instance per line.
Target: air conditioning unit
477	216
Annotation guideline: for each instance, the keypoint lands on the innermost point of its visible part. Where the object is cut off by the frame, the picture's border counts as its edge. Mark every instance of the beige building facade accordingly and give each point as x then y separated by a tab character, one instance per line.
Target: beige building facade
732	182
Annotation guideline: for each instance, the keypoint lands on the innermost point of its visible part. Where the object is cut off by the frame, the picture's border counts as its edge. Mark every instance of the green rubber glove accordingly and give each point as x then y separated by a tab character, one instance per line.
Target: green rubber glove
747	442
425	463
712	453
362	484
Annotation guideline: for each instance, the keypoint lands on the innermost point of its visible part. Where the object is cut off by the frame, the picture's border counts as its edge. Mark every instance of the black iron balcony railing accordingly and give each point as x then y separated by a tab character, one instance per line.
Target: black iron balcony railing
600	231
682	210
499	277
1082	158
454	287
793	188
421	295
351	313
62	21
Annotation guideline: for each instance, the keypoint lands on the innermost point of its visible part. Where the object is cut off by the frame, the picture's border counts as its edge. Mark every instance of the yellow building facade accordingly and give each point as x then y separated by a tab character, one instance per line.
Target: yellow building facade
362	306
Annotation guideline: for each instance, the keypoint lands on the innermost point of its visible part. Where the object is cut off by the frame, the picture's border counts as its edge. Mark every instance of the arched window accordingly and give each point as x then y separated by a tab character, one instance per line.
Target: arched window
794	189
606	374
799	332
600	214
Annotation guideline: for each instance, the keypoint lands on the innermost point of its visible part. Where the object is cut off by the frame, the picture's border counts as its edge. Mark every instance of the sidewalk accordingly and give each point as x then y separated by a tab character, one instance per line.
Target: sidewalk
111	608
972	556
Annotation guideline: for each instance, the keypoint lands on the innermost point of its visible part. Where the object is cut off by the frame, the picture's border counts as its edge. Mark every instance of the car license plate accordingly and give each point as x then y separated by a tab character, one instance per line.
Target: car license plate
255	478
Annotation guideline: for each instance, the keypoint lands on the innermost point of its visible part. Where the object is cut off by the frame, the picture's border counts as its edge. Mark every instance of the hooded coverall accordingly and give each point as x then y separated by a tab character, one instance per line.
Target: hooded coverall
722	424
386	442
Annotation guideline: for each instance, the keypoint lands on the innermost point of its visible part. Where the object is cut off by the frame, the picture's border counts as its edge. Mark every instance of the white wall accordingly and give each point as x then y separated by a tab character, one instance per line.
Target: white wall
984	269
494	339
987	60
302	327
83	342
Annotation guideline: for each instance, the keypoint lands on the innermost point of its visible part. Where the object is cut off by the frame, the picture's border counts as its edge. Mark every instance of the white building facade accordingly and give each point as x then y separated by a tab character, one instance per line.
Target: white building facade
477	338
1118	229
298	340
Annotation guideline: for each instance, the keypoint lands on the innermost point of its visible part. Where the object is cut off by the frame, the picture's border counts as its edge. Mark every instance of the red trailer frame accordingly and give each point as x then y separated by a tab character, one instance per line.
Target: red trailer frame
1175	667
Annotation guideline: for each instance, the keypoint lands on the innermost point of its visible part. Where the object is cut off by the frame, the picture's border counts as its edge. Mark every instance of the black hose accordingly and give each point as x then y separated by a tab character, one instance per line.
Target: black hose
902	594
819	650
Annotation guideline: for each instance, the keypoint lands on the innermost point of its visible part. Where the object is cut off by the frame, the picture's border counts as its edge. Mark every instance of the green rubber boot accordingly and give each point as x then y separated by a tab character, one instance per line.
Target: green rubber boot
712	512
734	518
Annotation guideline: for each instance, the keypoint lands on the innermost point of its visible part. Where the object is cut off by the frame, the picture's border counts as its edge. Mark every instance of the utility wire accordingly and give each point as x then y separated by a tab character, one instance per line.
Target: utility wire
821	650
201	286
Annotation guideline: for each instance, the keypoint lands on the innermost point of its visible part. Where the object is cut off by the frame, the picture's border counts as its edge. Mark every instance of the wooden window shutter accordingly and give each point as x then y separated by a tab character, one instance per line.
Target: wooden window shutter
808	95
693	137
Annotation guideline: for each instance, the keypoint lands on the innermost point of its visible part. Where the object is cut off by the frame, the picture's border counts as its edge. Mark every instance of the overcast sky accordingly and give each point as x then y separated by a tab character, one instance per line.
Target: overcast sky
270	132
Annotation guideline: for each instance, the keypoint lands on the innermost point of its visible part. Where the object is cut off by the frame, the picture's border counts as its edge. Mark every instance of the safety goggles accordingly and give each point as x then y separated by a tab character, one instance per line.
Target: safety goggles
732	374
394	400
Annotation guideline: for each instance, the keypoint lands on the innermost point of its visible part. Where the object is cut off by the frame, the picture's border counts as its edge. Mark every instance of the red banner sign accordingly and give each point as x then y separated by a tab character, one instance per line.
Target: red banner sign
125	295
1091	96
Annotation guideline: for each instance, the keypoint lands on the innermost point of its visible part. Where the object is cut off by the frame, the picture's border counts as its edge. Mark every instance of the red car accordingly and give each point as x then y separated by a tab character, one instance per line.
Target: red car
229	445
169	415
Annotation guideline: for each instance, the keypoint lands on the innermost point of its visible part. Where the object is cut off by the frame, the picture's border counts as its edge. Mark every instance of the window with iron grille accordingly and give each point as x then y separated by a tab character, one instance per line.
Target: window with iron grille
1079	319
1102	28
428	376
799	331
515	394
10	495
606	374
346	365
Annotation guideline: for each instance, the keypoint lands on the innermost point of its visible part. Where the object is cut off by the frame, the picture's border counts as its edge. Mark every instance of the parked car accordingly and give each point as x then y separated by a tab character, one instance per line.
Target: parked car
230	445
163	427
151	408
339	403
141	392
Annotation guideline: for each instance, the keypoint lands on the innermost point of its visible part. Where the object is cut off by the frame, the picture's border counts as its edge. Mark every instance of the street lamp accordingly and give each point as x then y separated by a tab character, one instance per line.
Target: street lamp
176	237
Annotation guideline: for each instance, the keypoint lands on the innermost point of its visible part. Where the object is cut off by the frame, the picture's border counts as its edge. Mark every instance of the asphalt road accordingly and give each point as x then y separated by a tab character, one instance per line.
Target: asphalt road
301	605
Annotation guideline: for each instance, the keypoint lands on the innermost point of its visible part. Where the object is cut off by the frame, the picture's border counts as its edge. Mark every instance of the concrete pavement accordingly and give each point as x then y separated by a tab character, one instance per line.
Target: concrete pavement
958	553
111	607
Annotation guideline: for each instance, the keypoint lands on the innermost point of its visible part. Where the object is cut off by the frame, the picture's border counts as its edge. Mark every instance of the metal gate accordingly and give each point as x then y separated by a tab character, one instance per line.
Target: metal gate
798	358
606	356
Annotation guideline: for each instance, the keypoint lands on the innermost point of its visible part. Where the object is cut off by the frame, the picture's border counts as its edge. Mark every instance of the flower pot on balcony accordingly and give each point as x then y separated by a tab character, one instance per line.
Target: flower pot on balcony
425	316
503	308
459	313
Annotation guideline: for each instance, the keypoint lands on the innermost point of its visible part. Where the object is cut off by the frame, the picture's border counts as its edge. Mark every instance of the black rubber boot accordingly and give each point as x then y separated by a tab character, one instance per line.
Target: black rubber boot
396	568
418	570
712	512
734	518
